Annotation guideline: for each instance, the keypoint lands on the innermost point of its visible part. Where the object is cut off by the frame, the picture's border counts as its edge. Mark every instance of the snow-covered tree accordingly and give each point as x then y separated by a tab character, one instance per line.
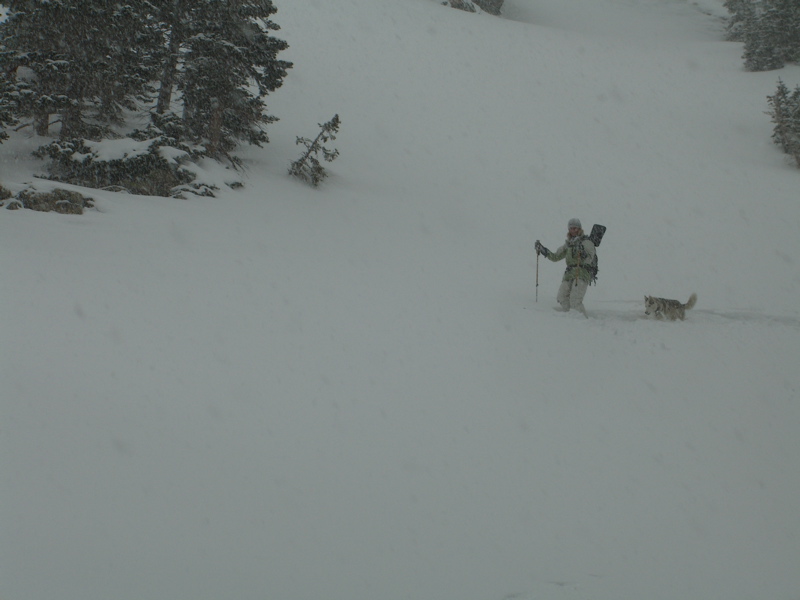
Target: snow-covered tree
784	15
172	20
742	15
785	113
87	60
761	52
307	167
770	30
8	103
221	57
7	112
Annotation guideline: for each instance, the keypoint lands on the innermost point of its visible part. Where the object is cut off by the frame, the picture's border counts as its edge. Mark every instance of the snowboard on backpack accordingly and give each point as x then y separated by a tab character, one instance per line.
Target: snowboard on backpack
596	236
598	231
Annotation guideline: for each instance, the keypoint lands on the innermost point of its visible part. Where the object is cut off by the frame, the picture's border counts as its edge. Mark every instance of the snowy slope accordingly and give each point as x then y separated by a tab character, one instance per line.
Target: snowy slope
351	393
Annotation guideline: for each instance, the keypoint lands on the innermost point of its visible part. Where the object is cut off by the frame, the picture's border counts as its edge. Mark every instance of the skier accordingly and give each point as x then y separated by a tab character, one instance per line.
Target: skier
580	253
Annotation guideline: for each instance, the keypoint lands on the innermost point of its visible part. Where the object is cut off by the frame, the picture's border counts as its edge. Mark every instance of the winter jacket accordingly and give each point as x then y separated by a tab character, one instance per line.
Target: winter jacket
578	251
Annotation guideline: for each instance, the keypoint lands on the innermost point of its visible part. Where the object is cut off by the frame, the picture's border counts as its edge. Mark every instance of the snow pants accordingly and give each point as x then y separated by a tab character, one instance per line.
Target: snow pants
571	293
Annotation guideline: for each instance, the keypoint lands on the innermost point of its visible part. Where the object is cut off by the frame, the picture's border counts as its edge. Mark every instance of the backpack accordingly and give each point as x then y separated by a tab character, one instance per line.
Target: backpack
596	236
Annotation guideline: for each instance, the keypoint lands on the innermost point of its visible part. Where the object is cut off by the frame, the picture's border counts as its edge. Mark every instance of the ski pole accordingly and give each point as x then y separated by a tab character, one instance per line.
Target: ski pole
537	277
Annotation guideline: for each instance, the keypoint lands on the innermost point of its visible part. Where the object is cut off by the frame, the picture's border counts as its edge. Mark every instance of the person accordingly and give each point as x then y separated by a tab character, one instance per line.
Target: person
579	252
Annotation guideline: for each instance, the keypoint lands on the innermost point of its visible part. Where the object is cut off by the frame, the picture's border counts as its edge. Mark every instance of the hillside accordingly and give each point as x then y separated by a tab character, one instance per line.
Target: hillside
353	393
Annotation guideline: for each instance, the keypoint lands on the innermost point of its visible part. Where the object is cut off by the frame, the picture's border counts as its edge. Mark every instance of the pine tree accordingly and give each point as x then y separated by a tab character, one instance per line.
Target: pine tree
307	167
88	58
25	52
785	113
228	66
760	49
88	61
172	19
742	16
785	18
770	30
7	92
7	106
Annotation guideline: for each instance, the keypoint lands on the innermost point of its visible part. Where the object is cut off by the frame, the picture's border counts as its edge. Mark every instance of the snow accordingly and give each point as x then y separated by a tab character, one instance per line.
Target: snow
109	150
351	392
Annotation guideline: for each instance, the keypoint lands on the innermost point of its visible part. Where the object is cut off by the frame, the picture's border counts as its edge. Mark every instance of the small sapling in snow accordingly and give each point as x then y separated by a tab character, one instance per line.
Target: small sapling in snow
307	167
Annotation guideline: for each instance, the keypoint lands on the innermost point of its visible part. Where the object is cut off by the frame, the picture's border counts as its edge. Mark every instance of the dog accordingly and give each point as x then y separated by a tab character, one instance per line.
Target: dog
663	308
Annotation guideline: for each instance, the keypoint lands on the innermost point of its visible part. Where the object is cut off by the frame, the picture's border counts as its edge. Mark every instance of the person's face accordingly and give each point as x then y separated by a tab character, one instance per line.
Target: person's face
573	231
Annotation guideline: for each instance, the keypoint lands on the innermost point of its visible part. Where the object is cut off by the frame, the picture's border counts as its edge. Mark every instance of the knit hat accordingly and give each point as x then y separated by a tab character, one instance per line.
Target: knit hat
575	223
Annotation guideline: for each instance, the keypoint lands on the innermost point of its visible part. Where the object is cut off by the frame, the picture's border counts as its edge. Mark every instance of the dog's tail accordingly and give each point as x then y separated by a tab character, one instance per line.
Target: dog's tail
691	302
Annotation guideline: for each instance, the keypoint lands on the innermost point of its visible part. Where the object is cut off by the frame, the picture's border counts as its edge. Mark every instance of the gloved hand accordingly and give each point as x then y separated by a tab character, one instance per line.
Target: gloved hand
541	249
